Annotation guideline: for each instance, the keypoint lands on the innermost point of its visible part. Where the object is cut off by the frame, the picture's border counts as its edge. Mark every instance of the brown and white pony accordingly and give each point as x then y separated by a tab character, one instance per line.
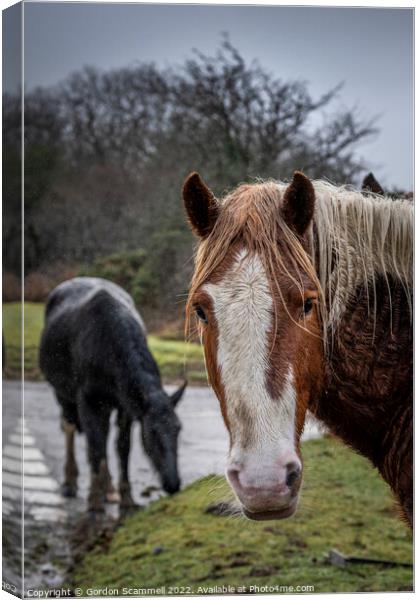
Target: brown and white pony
303	297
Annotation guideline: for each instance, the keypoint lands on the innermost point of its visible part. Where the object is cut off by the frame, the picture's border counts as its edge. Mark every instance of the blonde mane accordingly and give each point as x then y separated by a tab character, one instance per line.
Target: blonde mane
359	239
354	239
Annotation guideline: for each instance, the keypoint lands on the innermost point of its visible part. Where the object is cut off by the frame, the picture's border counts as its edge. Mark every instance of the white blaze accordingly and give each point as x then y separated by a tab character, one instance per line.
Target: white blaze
262	427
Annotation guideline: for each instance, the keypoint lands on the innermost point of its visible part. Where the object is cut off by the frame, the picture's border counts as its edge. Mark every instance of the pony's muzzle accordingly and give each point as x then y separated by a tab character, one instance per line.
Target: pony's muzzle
264	495
171	485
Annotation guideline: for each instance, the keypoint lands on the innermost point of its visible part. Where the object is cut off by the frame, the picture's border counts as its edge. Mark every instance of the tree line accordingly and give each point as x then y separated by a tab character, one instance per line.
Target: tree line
106	154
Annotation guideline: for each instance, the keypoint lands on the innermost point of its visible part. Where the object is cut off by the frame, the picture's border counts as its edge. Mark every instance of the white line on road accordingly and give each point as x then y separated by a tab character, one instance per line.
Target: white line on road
45	498
11	493
31	467
16	452
31	483
7	508
42	500
18	439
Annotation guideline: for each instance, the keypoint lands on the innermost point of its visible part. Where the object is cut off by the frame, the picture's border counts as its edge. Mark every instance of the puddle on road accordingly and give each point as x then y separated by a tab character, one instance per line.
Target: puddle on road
53	546
56	530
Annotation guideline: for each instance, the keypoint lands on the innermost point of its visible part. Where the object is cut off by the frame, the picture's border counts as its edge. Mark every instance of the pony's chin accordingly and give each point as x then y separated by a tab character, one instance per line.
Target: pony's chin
271	515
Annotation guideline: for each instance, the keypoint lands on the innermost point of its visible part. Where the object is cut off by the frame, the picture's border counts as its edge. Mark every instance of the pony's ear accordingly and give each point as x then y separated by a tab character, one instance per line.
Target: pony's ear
370	184
176	396
200	204
299	203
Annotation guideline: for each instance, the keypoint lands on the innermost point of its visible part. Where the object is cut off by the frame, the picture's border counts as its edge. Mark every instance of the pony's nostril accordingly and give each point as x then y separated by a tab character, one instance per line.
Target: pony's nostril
293	474
233	477
291	478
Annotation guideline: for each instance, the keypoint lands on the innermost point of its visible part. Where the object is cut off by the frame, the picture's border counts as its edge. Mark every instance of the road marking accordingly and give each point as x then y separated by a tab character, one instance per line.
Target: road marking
42	500
16	452
45	498
31	483
18	439
31	467
7	508
21	428
12	493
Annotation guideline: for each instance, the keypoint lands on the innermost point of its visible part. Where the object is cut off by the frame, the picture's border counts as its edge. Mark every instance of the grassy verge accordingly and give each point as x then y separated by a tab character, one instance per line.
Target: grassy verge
345	505
176	359
12	322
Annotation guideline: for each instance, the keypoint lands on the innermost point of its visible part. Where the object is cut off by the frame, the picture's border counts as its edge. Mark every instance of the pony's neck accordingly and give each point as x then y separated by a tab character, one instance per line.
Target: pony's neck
357	239
368	374
363	252
139	376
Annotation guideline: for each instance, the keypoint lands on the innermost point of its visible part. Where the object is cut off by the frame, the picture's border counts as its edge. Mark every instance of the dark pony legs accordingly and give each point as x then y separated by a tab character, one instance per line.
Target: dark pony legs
71	472
123	450
95	417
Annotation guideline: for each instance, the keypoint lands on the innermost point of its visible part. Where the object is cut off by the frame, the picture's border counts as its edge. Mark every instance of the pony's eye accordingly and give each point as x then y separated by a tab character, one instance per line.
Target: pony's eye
201	314
307	307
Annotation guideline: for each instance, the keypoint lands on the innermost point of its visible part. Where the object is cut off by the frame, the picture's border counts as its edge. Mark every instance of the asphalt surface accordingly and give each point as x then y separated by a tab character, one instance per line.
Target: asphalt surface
203	443
202	450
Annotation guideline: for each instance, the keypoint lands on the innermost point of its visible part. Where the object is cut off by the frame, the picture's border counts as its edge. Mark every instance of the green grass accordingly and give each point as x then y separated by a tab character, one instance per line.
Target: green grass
176	359
12	328
345	505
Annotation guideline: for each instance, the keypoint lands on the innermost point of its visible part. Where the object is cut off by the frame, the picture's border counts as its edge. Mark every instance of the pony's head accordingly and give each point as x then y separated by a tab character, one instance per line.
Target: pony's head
160	430
255	295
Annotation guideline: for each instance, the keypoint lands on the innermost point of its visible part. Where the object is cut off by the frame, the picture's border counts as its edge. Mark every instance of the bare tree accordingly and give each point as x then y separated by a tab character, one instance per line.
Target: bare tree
115	116
107	153
242	122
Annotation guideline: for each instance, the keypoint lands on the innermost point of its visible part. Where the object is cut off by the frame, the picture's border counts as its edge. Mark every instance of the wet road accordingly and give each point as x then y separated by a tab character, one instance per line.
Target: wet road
203	446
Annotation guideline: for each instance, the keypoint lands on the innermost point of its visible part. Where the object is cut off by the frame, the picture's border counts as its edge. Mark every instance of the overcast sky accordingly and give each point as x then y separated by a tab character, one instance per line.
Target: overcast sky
371	50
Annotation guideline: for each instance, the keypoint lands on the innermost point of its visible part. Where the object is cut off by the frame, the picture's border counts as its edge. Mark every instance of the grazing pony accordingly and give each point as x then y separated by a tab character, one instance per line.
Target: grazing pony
94	353
371	184
303	296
